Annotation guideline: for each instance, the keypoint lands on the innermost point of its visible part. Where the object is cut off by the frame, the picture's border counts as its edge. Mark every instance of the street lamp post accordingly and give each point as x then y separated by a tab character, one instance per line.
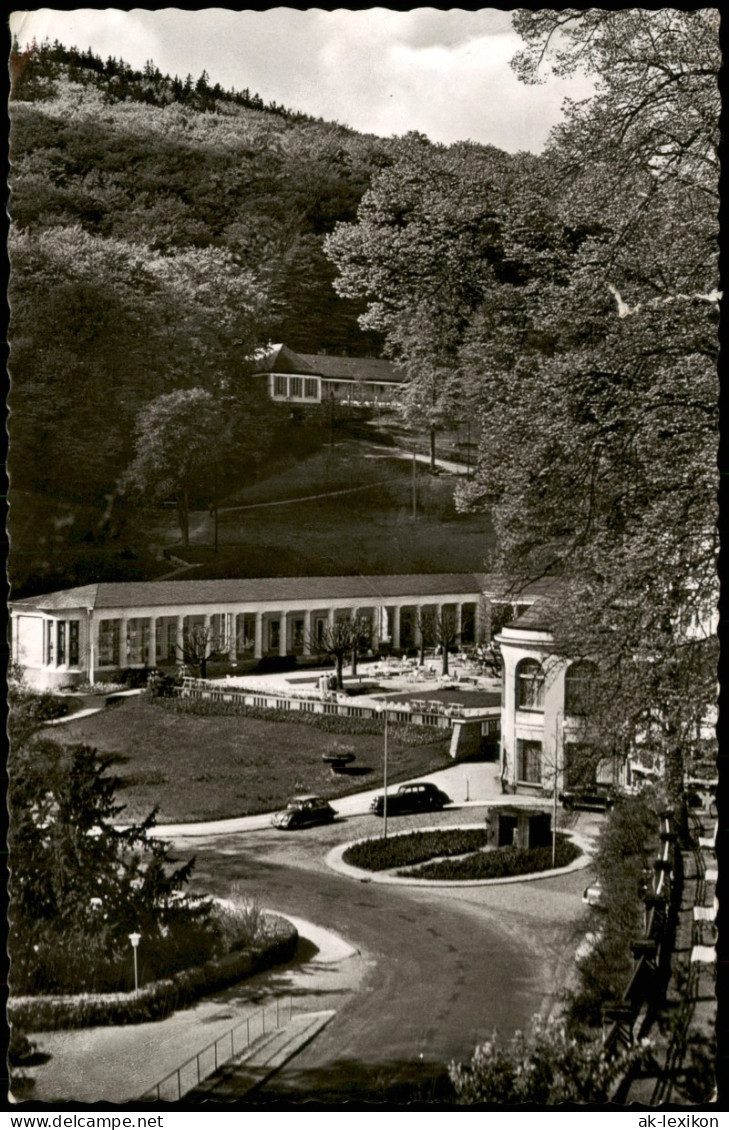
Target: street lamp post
556	782
384	803
135	939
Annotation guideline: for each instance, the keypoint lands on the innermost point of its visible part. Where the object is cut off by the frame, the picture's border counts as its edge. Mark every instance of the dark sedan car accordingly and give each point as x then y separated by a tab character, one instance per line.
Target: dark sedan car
421	796
597	798
302	811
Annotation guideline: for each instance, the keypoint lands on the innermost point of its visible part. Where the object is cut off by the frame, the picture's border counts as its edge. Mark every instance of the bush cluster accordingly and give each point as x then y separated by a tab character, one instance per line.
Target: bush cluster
402	733
414	847
158	999
134	678
627	845
501	863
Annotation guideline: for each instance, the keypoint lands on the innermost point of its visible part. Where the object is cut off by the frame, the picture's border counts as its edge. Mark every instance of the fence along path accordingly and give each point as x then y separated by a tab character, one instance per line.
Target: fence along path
244	1033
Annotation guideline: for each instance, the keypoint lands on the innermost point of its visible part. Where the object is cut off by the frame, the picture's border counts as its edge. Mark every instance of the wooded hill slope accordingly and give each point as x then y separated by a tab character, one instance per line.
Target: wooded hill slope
161	231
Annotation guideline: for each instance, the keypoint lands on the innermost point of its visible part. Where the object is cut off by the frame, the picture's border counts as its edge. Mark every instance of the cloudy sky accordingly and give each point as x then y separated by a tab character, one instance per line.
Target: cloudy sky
444	73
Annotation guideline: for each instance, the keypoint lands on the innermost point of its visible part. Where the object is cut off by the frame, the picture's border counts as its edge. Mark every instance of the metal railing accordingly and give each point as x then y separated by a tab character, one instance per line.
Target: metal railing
225	1048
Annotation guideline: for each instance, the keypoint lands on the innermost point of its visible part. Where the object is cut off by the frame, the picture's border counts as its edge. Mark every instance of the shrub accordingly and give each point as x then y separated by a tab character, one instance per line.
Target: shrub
627	844
414	847
163	685
273	664
402	733
160	998
547	1067
501	863
135	677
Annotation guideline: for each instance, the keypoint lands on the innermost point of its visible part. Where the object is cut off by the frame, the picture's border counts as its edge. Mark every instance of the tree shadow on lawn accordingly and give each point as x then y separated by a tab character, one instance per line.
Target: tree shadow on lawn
347	1081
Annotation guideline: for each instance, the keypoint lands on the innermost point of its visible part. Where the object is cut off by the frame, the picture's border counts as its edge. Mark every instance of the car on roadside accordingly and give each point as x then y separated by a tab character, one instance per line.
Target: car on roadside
593	895
421	796
304	811
594	798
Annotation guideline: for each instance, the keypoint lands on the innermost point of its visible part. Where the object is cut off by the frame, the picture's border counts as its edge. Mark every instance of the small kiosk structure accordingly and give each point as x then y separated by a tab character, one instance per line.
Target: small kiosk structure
518	826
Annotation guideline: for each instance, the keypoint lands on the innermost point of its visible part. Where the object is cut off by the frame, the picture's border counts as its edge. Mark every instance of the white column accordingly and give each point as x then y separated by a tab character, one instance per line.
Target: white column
459	621
123	629
418	626
330	618
90	630
307	632
180	640
478	624
258	637
282	634
396	626
152	646
232	629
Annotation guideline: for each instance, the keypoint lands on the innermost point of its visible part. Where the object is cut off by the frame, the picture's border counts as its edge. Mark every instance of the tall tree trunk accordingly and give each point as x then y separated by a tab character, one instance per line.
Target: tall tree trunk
340	665
432	449
674	778
445	658
354	660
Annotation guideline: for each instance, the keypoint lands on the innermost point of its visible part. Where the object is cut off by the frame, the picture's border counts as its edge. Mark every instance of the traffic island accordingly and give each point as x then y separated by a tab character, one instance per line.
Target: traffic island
454	856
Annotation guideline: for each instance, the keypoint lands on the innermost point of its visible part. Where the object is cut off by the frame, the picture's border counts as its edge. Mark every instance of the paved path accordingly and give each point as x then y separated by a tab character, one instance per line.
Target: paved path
118	1064
466	783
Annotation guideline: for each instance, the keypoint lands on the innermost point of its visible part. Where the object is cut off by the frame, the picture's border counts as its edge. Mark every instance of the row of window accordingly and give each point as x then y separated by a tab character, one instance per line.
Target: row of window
61	644
297	388
579	685
580	766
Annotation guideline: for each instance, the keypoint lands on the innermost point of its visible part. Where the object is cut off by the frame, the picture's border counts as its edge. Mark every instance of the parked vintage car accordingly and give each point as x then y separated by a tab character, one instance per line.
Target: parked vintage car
302	811
421	796
597	798
593	895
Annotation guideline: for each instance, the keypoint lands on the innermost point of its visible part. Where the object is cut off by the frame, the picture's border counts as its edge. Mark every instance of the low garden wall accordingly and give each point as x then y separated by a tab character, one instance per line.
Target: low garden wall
159	998
418	712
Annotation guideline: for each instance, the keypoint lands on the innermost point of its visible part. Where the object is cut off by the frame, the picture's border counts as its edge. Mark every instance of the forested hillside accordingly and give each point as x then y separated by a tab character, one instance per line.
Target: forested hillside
162	229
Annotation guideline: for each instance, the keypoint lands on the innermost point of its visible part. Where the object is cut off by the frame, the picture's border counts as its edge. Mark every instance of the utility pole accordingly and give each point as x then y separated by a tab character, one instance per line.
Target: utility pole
384	806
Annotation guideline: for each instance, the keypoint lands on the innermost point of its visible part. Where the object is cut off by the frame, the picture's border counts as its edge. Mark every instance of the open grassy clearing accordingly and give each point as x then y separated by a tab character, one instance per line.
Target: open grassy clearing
210	767
370	530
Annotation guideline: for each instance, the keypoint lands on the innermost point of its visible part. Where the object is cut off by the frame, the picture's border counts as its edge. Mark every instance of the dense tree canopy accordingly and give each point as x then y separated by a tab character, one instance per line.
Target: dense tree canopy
570	301
600	432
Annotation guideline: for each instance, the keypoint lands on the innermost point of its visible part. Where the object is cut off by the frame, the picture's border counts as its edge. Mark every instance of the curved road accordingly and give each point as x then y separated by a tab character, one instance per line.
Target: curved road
442	968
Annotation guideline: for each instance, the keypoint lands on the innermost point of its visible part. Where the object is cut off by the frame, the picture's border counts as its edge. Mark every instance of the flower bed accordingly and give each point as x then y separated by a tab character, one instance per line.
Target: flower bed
160	998
500	863
413	847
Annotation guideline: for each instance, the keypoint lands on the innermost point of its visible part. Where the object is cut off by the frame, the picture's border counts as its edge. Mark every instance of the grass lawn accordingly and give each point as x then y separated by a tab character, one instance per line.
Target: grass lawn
370	530
214	766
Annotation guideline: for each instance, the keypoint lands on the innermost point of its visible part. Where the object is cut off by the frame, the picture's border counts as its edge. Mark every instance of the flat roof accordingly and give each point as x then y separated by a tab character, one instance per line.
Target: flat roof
138	594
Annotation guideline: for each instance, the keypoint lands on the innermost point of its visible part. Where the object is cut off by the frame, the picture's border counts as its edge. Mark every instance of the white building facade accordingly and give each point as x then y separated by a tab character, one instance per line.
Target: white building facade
93	632
544	735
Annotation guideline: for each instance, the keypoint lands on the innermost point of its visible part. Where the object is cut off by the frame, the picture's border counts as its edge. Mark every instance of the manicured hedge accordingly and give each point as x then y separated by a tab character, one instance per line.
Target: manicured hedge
400	732
158	999
398	851
500	863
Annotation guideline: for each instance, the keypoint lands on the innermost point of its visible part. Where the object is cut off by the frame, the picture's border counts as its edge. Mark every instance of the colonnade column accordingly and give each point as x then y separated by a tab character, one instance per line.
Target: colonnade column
418	626
282	634
232	630
123	629
258	636
396	626
330	619
306	649
459	622
152	642
180	639
478	623
91	642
